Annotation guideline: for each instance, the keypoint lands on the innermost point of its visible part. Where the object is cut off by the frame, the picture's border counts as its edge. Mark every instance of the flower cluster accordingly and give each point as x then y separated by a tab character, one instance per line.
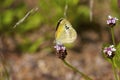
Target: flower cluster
111	21
61	51
109	51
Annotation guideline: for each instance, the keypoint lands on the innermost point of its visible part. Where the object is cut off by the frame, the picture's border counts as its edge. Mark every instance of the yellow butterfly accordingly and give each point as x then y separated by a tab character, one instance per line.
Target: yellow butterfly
65	33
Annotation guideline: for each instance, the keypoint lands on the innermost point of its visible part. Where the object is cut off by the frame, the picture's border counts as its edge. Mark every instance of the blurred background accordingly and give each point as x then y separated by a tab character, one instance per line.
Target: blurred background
27	51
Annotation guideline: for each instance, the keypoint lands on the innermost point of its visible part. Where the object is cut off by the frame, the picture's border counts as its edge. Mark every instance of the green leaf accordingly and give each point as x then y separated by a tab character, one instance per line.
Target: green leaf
117	56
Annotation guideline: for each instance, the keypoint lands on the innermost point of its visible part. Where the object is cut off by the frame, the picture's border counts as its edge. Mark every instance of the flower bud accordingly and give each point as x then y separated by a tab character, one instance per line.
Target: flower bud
61	51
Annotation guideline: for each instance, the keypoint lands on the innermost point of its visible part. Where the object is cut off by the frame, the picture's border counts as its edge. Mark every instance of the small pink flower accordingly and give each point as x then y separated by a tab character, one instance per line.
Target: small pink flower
61	51
111	21
109	51
59	47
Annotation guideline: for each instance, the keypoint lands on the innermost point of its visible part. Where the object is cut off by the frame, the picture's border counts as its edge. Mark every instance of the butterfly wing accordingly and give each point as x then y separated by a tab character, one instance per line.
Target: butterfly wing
65	33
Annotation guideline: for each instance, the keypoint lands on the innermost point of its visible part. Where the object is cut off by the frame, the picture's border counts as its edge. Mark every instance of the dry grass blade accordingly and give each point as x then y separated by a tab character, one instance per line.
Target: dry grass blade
21	20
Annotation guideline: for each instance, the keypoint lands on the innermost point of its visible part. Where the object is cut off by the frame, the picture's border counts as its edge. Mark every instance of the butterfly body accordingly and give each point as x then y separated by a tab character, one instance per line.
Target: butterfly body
65	33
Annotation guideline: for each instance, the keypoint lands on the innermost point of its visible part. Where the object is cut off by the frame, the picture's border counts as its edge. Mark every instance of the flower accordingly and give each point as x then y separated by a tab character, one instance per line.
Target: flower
59	47
111	21
109	51
61	51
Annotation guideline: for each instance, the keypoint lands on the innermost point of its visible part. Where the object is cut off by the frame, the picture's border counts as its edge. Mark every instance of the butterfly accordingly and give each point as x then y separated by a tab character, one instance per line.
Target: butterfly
65	33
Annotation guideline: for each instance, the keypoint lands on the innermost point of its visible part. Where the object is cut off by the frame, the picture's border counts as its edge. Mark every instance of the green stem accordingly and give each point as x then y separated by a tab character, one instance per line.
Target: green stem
73	68
114	70
113	37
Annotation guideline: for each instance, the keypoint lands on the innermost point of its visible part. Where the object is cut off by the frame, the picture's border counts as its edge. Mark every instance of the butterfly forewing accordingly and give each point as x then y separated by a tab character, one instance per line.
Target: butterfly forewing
65	33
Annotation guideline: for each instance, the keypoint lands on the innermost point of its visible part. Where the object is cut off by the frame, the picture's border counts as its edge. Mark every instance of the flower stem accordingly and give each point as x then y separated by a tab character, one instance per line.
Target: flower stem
114	70
75	69
113	37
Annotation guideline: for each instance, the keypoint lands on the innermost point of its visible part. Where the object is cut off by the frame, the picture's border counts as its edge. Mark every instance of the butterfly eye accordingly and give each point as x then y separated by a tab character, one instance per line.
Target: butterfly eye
66	27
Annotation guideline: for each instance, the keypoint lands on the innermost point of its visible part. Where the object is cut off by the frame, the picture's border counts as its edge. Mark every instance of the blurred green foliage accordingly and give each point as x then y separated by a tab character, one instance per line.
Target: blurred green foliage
115	8
117	57
50	11
114	5
29	46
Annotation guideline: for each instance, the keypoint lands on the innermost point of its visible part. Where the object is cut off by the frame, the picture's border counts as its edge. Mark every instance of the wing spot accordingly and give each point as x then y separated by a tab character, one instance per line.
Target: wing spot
66	27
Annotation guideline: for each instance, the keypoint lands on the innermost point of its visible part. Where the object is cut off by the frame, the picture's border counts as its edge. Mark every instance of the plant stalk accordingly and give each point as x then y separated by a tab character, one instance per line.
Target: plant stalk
114	70
112	34
76	70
